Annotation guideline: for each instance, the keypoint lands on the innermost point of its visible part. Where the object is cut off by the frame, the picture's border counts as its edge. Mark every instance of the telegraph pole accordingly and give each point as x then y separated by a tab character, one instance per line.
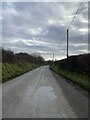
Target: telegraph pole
67	49
67	43
53	57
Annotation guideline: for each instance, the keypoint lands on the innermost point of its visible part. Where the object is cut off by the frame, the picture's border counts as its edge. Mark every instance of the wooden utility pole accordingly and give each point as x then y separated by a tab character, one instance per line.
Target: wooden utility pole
53	57
67	50
67	43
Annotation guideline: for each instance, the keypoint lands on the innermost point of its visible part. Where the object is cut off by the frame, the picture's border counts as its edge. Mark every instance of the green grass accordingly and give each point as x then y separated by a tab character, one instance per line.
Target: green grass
10	71
0	73
77	78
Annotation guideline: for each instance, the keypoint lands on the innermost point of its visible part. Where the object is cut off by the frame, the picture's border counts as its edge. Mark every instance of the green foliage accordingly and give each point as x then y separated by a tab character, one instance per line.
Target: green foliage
78	63
10	71
15	64
77	78
10	57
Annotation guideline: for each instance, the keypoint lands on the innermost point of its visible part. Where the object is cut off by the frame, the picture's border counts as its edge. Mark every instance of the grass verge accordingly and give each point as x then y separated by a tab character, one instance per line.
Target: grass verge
78	79
10	71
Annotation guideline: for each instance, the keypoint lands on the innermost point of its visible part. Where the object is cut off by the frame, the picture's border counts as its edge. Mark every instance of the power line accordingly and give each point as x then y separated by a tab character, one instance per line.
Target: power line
75	15
73	18
70	26
68	34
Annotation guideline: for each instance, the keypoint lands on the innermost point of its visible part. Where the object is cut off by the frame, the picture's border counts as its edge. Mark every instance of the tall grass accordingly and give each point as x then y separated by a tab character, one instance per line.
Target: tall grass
0	73
10	71
77	78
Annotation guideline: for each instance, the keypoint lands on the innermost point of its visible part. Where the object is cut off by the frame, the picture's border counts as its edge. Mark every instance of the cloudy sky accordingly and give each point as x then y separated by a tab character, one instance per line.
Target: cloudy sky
41	26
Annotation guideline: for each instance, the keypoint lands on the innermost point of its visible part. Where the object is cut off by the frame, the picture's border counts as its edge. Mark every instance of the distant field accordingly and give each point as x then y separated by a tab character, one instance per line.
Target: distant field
10	71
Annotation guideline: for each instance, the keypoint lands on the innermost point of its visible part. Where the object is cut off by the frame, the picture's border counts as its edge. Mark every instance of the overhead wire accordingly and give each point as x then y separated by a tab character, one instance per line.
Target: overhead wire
75	14
73	18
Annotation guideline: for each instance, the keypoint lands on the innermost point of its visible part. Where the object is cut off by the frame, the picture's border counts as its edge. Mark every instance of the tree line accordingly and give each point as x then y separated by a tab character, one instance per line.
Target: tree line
10	57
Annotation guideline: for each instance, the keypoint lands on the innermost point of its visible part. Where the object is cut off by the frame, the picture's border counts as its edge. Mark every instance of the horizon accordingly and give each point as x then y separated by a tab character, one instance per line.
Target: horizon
43	57
42	27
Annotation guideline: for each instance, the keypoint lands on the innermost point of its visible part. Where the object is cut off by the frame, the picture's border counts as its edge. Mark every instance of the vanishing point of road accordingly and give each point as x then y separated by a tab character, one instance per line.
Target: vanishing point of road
42	93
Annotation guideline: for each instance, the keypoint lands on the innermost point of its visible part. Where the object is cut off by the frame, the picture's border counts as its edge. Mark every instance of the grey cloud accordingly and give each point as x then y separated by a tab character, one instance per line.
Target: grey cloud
44	22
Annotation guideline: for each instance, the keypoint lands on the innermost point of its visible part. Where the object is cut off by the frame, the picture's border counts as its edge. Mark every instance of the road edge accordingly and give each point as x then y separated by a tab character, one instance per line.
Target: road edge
81	89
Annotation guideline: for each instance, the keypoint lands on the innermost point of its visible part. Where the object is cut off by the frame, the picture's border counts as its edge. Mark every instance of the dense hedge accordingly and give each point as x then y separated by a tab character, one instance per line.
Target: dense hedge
79	64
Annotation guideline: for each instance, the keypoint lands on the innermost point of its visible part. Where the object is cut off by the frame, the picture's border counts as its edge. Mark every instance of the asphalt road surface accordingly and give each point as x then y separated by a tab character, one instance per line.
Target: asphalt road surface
42	94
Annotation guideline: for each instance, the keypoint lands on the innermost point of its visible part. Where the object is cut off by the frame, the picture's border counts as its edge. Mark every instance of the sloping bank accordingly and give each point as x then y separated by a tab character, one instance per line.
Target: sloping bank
10	71
82	81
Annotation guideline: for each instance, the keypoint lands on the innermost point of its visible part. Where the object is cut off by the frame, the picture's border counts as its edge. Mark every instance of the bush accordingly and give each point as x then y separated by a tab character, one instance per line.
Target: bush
13	70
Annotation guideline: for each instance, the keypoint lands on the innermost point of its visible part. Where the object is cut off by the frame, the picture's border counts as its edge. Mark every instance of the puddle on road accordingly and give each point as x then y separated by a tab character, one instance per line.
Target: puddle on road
43	95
